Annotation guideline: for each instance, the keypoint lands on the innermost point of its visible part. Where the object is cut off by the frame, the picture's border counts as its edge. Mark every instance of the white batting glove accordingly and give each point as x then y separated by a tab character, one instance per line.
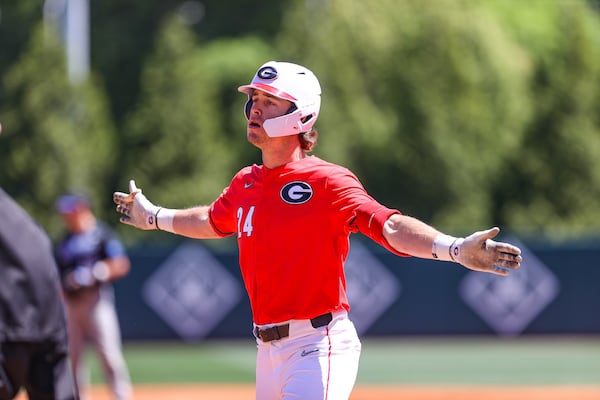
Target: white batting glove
137	210
480	253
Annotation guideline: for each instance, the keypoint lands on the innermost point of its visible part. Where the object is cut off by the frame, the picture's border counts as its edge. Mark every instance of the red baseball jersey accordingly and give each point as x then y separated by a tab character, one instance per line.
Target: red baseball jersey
293	225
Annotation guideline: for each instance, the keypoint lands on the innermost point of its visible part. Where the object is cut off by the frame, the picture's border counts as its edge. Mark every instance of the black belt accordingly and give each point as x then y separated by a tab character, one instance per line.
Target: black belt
281	331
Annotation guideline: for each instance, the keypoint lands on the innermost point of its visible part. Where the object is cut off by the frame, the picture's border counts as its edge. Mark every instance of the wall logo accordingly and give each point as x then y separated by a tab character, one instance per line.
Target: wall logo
296	192
371	287
509	304
191	291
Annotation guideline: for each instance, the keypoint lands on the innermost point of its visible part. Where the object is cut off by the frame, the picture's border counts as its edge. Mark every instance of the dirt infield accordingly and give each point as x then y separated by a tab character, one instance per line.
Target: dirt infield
364	392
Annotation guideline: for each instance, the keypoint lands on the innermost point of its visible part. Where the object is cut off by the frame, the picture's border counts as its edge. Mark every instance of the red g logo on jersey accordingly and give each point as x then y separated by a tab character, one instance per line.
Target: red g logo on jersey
296	192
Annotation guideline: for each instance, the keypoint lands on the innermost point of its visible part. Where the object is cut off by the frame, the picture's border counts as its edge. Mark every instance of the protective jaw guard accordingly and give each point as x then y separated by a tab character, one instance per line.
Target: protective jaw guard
292	123
288	124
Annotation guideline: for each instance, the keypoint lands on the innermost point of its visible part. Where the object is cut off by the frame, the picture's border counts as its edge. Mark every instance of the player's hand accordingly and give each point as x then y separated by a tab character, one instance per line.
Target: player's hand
480	253
80	277
136	209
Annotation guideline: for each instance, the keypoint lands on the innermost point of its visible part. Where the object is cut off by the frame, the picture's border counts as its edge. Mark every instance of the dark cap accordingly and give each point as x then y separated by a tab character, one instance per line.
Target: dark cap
68	203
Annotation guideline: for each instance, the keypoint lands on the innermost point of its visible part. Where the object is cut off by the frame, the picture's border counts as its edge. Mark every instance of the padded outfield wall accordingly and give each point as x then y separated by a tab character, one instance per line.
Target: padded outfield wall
192	290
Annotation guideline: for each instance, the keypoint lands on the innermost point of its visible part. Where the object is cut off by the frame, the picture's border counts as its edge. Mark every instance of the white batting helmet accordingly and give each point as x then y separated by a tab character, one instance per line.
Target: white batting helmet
290	82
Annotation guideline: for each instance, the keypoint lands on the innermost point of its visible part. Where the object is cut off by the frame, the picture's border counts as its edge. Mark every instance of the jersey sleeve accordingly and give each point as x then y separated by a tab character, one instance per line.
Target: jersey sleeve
220	214
364	213
370	217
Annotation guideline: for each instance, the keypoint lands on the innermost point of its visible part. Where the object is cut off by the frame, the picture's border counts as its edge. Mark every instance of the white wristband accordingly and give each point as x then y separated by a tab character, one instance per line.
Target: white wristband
441	247
164	219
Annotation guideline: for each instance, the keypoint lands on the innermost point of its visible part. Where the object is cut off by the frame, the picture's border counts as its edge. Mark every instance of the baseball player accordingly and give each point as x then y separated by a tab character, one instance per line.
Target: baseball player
292	217
89	258
33	331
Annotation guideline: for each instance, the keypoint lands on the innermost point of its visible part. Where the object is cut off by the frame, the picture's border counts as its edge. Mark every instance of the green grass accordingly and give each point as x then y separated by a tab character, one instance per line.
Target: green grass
201	362
485	361
481	361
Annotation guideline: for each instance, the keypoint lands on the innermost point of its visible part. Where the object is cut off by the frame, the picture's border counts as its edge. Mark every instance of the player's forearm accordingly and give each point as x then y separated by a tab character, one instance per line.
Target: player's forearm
477	251
111	269
409	235
190	222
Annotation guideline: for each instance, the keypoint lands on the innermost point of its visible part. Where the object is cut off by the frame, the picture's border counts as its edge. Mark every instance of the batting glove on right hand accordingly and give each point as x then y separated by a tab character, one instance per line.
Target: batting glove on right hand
137	210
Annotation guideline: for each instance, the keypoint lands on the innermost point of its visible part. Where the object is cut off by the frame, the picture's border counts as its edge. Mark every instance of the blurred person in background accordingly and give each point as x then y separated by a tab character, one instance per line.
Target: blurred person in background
90	257
33	333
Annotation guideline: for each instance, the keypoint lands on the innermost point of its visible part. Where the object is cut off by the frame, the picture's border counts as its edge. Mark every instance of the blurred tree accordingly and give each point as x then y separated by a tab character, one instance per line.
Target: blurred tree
425	101
16	22
57	137
462	112
181	143
557	169
123	35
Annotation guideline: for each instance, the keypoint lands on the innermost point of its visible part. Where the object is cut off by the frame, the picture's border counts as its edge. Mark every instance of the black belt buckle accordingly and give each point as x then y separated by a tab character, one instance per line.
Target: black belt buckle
321	320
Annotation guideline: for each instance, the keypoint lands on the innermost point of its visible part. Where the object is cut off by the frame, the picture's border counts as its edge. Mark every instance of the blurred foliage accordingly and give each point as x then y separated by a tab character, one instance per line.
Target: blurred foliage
124	33
56	136
464	113
178	141
424	101
558	168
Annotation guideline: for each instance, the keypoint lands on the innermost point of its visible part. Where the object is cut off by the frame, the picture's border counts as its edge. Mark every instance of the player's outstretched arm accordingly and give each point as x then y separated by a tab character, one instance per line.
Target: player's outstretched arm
477	251
136	210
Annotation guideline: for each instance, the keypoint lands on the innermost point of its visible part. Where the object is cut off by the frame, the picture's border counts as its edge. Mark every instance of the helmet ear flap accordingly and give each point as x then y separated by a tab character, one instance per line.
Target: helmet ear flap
248	107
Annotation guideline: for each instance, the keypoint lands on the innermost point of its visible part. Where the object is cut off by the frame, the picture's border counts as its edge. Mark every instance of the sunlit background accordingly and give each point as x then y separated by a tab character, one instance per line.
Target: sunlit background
464	113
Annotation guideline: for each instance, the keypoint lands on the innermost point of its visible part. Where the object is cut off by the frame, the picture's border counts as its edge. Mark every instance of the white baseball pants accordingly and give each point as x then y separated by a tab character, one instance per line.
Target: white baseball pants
310	363
93	317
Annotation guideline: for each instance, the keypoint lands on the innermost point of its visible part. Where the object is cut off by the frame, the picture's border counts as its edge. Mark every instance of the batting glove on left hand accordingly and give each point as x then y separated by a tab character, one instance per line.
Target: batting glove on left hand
480	253
137	210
